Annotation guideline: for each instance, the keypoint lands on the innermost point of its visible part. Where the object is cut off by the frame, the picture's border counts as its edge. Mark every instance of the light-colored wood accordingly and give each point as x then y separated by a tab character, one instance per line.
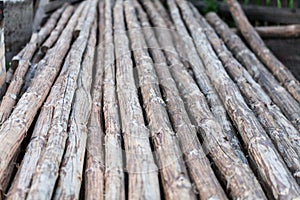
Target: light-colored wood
174	176
114	170
198	165
287	104
280	71
94	170
142	171
278	180
12	93
31	101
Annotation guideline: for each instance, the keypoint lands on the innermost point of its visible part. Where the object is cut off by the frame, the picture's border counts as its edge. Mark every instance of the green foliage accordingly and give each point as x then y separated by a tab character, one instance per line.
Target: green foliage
211	5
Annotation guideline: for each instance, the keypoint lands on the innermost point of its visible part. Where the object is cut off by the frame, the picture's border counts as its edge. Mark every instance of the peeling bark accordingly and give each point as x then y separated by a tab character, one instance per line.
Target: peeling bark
287	143
275	175
199	167
142	170
288	105
14	129
12	93
175	179
280	71
94	170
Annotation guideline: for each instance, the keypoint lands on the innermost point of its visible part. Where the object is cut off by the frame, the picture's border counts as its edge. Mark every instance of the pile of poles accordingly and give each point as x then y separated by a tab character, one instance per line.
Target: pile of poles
143	100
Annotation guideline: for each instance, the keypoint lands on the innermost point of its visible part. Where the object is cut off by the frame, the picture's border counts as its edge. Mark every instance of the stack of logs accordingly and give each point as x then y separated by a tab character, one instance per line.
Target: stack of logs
100	104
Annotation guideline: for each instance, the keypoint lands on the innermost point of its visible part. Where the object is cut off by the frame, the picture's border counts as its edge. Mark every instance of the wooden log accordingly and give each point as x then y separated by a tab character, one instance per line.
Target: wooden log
260	148
286	142
12	93
37	144
114	170
282	31
2	52
259	13
71	171
81	22
214	102
280	71
142	170
58	29
174	176
288	105
198	165
94	169
45	178
14	129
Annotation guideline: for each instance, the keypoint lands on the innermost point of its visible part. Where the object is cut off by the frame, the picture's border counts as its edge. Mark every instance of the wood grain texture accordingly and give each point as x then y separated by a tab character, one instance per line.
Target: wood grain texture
174	176
30	102
12	93
280	71
288	105
285	140
198	165
45	178
140	165
275	175
94	170
114	170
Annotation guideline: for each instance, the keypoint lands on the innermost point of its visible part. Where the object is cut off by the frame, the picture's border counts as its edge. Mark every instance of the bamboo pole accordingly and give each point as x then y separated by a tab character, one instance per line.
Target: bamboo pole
287	104
58	29
175	179
71	172
284	76
114	170
140	165
214	102
277	180
94	170
282	31
198	165
11	95
45	178
14	129
286	142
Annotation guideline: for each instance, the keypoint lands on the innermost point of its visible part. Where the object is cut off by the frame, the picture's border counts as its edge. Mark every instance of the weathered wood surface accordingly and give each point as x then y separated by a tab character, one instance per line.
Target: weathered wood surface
114	170
198	165
141	168
286	141
2	51
65	16
276	177
33	98
45	178
94	169
284	76
12	93
288	105
174	176
282	31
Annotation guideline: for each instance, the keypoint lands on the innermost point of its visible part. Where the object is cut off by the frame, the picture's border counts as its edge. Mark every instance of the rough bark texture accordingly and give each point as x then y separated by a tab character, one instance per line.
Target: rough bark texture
286	142
2	54
94	170
199	168
288	105
114	170
58	29
261	50
30	102
71	170
174	176
271	167
12	93
141	168
283	31
214	102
